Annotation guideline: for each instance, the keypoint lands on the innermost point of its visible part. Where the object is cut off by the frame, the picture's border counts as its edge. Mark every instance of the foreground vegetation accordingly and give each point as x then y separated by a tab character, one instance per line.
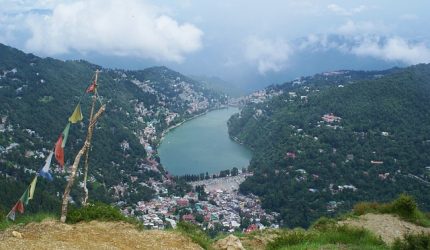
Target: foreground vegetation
24	220
325	233
327	237
404	206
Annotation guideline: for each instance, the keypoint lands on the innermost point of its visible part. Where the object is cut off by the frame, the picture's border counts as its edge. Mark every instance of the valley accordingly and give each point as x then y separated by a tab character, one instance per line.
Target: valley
303	163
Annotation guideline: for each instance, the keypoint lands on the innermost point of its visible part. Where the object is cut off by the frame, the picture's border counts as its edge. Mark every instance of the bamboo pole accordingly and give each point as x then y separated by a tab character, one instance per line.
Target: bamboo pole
76	164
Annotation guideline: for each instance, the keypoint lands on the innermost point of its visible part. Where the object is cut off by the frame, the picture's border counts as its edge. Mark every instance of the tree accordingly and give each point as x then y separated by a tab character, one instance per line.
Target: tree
234	171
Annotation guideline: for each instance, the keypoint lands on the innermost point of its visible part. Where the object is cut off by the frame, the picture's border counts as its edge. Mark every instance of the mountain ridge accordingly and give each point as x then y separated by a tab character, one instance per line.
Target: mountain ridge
38	95
321	146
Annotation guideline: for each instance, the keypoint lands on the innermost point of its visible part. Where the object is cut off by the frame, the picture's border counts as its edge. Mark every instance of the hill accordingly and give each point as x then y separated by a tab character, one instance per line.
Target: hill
37	95
389	228
323	143
51	234
220	85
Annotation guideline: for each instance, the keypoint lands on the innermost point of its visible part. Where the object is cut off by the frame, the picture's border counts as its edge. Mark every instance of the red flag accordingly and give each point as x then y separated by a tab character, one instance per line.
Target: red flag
19	206
59	151
92	87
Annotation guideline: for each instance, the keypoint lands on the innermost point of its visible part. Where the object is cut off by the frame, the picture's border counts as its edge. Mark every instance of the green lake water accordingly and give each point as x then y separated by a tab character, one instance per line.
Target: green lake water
202	145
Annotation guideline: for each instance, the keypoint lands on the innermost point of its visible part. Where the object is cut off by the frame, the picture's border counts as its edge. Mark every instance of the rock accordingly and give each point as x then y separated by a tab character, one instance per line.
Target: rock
17	234
230	242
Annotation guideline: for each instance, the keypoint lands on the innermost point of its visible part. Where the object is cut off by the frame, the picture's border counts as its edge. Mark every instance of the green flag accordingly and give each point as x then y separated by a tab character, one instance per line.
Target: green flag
24	198
77	115
65	135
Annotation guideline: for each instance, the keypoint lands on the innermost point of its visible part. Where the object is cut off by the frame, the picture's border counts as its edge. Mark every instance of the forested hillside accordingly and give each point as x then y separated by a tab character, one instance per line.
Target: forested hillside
323	143
38	95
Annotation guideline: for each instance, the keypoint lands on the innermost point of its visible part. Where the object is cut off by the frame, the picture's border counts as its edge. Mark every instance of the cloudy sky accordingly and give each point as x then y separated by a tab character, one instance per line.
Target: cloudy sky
244	42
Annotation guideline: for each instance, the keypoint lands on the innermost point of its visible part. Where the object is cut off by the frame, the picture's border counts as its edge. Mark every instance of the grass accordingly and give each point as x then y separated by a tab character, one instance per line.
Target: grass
195	234
332	237
100	212
23	220
411	242
404	206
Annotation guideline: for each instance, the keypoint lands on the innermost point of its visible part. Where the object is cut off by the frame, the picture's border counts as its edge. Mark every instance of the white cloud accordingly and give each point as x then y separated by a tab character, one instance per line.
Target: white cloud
269	55
368	39
344	12
365	27
125	28
409	17
394	49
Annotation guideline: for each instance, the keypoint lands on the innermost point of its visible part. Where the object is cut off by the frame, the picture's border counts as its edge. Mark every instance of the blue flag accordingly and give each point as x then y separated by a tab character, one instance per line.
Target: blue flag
44	172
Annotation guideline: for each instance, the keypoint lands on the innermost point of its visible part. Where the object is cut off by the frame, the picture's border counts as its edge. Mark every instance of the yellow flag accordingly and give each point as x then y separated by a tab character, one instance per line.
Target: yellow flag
32	187
77	115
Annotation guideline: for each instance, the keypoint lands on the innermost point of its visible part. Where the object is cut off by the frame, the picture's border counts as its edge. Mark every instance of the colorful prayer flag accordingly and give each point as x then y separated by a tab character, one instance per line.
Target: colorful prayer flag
77	115
19	206
44	172
92	87
24	199
59	151
65	135
32	187
11	215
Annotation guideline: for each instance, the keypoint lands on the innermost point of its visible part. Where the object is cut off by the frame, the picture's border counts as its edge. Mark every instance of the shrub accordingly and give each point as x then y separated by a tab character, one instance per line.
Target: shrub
405	206
413	242
290	238
323	224
97	211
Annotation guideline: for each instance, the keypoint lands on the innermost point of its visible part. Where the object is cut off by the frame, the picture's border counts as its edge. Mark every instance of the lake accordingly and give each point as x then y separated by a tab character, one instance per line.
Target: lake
202	145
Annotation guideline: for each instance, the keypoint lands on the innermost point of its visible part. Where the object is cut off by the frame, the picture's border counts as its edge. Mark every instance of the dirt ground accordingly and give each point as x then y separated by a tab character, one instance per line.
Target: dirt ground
93	235
387	226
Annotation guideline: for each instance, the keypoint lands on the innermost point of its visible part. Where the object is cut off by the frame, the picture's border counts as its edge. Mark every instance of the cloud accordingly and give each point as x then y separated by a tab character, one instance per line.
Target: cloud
409	17
123	28
394	49
344	12
384	47
365	27
269	55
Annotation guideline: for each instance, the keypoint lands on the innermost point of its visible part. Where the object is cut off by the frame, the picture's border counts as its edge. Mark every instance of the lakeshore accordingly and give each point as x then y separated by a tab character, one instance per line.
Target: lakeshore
202	145
226	184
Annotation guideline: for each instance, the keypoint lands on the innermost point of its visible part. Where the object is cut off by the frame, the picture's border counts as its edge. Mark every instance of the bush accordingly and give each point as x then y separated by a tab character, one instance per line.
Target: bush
97	211
413	242
291	238
405	206
323	224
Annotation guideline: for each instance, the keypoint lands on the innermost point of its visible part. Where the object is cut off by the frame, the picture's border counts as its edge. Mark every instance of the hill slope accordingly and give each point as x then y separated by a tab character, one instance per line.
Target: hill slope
93	235
319	148
37	95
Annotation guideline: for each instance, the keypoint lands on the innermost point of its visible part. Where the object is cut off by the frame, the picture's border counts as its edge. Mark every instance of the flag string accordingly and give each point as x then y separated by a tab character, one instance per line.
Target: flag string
57	150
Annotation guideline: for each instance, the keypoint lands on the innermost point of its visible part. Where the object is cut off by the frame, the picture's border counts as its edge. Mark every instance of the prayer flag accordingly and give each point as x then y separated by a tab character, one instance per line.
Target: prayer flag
44	172
65	135
59	151
12	213
24	199
19	206
92	87
77	115
32	187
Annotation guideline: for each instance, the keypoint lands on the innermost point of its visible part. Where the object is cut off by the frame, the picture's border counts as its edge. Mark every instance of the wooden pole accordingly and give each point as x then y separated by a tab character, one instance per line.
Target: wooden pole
76	164
90	136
